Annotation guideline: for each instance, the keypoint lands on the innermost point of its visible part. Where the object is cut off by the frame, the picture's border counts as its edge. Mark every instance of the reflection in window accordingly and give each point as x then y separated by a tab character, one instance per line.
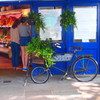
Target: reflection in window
51	17
86	24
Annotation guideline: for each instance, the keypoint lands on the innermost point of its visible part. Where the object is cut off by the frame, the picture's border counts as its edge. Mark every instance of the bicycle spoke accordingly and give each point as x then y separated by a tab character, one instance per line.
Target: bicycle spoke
39	75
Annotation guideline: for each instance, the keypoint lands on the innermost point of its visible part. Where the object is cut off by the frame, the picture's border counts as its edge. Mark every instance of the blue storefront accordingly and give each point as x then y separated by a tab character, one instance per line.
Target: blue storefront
88	16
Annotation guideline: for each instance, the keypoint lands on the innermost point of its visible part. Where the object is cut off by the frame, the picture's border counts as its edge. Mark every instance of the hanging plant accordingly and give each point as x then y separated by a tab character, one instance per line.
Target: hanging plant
68	19
36	19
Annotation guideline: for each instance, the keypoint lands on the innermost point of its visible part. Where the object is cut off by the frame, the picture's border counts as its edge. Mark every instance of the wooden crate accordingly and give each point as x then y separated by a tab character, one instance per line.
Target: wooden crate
37	60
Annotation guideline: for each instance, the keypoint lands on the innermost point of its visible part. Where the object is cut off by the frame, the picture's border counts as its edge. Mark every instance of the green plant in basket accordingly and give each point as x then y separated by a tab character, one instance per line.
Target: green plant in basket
42	48
68	19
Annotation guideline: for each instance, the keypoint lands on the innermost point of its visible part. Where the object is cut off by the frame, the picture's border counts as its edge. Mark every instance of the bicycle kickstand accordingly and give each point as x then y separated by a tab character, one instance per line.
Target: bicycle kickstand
63	77
26	77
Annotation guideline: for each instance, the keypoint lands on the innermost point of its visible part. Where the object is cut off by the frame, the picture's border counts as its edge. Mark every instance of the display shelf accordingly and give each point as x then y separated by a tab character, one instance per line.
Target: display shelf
4	44
5	48
5	27
6	51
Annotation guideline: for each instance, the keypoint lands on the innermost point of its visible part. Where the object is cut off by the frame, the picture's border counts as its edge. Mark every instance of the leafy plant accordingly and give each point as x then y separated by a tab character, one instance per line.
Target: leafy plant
42	48
68	18
36	19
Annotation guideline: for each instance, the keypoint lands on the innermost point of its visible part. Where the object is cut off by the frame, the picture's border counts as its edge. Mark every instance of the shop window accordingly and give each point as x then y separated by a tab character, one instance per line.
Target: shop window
51	17
8	14
86	24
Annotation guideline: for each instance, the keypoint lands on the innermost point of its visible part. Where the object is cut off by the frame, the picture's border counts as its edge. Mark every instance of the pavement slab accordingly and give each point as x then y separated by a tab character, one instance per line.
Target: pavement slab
12	88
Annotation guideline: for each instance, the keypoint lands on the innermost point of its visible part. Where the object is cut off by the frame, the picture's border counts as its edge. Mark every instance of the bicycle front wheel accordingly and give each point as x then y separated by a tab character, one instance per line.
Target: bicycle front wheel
85	69
39	74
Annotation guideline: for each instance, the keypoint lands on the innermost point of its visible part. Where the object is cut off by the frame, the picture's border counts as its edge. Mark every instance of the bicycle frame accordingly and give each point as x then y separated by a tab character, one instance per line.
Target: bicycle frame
64	61
74	57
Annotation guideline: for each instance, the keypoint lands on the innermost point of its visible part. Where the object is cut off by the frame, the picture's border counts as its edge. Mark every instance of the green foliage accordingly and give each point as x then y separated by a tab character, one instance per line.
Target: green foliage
37	20
42	48
68	18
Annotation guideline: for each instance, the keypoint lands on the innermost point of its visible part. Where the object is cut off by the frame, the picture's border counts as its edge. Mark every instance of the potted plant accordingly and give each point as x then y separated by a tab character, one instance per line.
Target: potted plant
42	48
36	19
68	19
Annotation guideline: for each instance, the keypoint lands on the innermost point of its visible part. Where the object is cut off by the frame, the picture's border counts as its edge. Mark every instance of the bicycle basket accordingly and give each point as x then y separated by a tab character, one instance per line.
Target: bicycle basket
62	57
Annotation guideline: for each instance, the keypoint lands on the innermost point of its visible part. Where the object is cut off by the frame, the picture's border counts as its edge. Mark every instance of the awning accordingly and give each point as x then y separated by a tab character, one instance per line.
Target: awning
16	15
7	20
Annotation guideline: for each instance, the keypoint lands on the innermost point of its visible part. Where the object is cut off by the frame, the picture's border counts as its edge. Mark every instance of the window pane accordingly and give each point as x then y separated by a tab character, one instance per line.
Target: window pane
52	21
86	24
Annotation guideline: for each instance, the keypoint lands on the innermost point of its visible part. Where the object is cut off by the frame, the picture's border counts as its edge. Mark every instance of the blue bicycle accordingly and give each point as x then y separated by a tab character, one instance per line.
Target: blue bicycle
84	68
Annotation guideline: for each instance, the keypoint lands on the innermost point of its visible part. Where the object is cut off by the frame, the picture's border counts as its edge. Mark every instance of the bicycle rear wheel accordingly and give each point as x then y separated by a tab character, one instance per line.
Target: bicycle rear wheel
40	74
85	69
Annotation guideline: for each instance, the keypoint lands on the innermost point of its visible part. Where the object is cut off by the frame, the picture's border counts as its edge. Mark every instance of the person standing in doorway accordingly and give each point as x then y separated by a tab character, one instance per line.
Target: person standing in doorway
15	46
25	37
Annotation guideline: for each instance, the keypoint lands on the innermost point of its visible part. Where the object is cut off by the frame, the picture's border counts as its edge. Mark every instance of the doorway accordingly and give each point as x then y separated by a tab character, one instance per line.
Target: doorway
86	33
8	14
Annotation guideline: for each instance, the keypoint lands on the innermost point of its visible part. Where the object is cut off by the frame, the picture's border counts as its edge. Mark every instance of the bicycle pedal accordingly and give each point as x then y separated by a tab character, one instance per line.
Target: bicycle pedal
62	78
51	75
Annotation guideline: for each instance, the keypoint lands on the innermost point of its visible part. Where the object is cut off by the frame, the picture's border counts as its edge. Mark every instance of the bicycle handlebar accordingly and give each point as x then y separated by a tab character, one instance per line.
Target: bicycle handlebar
56	45
71	48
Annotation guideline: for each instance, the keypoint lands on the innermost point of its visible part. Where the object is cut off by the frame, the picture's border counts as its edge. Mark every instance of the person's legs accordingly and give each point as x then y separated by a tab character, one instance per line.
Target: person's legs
17	52
26	58
23	43
13	54
23	55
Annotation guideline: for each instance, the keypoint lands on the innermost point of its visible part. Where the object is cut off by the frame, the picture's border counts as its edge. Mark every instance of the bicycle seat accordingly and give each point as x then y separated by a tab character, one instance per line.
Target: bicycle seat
88	55
76	48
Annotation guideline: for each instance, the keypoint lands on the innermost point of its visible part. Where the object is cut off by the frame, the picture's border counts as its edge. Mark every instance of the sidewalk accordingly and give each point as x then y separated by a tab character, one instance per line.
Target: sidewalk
11	88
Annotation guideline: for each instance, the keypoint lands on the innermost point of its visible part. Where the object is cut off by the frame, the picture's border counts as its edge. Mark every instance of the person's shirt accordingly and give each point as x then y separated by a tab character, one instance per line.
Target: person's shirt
14	35
24	30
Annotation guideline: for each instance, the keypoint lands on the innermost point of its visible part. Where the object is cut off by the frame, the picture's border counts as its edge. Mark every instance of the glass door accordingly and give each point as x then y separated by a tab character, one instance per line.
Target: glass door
86	33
